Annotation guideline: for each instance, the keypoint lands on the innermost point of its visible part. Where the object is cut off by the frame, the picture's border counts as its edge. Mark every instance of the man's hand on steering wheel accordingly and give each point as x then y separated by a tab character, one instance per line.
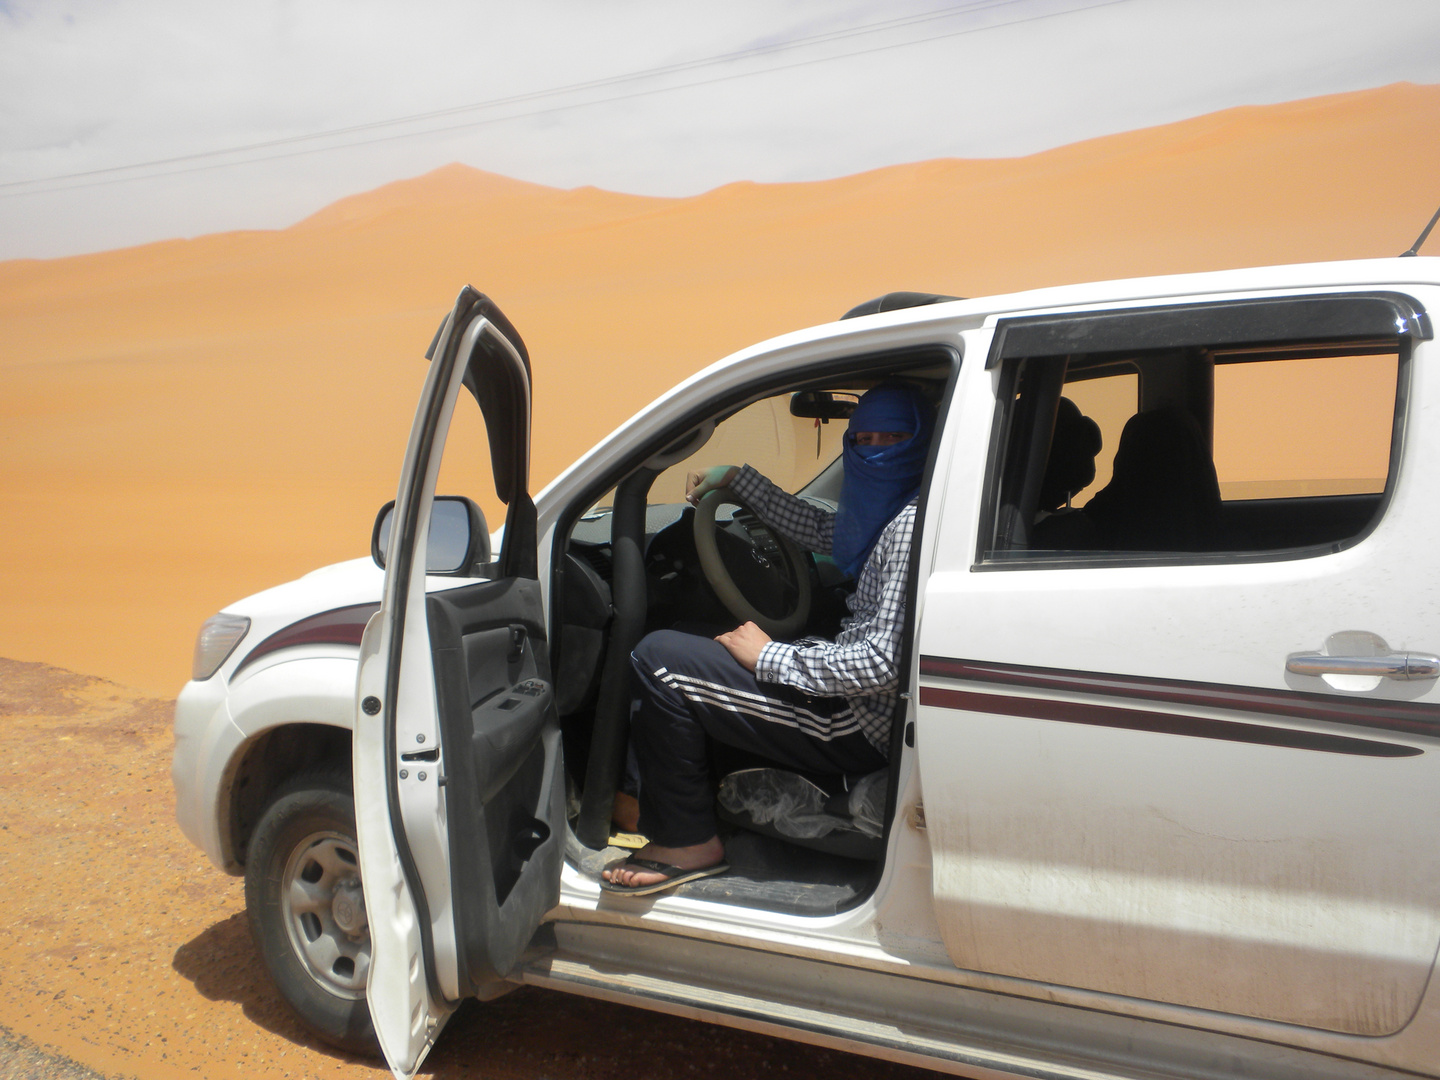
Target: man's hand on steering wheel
782	571
745	643
699	483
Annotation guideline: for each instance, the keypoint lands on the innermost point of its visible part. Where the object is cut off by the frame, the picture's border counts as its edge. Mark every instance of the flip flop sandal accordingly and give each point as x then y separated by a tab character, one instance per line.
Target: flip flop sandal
674	875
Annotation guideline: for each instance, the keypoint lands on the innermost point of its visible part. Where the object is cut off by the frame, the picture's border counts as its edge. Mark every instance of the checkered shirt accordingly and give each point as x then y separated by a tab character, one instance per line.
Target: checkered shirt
862	664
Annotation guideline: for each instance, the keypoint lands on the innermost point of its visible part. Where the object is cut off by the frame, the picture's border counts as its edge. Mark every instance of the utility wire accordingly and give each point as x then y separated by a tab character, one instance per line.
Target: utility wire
514	99
101	177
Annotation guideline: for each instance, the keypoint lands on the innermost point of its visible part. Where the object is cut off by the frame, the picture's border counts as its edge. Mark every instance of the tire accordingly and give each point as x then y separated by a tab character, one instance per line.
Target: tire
306	908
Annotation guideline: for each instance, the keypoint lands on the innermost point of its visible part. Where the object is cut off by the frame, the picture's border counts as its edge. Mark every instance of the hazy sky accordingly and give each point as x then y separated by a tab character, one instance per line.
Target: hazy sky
124	121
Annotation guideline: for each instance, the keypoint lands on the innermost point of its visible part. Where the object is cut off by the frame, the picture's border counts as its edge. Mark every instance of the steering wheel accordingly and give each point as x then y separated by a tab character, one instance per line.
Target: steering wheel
793	576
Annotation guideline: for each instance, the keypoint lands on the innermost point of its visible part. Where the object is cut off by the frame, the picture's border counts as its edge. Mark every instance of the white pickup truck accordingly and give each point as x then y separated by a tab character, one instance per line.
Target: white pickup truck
1163	797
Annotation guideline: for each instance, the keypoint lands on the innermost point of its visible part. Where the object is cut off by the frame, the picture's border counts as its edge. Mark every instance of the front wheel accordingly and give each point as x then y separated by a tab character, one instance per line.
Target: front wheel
307	908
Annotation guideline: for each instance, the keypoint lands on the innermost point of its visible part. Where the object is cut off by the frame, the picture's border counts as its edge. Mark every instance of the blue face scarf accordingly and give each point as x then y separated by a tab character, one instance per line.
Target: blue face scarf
880	480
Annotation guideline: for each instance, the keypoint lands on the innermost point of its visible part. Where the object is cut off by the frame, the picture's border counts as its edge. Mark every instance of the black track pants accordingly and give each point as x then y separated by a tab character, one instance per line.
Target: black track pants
690	687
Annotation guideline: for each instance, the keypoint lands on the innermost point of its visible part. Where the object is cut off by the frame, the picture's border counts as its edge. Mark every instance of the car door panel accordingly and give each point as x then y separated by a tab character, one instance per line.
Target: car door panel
503	777
1126	791
1165	863
460	860
410	1010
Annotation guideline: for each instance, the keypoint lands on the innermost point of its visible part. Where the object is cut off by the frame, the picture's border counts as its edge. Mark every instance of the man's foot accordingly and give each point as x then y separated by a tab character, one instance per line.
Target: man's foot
696	857
625	812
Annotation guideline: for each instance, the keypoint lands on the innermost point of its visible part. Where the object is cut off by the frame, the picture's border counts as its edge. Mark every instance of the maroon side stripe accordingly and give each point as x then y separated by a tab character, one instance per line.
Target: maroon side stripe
1407	717
1071	712
340	626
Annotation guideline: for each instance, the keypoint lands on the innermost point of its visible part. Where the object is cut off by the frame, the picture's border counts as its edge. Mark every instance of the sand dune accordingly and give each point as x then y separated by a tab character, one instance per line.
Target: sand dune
189	421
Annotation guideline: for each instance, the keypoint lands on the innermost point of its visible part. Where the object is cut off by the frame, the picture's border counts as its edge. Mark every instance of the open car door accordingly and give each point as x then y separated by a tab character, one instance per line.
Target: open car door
459	790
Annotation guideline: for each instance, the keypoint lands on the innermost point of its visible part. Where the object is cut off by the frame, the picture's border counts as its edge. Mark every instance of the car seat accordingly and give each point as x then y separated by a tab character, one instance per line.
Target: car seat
1163	494
837	815
1069	469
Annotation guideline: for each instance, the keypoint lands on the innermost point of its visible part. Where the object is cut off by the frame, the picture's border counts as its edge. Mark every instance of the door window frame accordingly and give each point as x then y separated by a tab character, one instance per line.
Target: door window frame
1330	318
946	349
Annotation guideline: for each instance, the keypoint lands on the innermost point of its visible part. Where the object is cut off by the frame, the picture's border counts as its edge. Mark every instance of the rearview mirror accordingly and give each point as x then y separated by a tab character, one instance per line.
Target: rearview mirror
458	536
823	405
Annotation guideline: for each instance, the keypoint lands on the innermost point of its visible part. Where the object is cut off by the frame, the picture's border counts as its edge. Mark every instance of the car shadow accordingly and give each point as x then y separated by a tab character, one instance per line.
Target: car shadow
223	965
533	1032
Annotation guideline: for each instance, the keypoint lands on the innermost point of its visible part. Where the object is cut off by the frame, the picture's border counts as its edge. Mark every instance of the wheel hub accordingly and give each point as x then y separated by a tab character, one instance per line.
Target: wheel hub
348	908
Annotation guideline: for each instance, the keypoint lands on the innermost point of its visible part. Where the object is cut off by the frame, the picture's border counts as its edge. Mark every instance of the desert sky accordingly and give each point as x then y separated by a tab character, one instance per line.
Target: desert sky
186	422
128	121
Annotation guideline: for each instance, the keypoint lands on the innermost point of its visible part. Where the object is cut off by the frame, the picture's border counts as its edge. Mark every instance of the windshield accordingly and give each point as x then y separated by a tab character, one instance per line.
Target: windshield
790	450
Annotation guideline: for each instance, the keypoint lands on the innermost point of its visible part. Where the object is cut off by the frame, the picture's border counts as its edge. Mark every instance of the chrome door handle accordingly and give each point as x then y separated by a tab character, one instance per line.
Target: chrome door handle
1406	665
1359	653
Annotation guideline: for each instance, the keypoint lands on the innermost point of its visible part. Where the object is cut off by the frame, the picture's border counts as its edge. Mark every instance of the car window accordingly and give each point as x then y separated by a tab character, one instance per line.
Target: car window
1304	427
790	450
1196	449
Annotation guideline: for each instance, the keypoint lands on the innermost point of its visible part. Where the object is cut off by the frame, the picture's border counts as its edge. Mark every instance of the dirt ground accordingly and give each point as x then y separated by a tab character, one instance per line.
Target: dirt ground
126	954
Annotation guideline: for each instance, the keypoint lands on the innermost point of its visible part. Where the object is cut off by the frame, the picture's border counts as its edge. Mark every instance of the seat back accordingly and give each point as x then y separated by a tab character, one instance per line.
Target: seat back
1163	494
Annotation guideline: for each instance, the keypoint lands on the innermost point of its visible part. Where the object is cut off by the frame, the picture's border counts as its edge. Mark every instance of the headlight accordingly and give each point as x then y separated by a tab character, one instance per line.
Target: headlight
216	641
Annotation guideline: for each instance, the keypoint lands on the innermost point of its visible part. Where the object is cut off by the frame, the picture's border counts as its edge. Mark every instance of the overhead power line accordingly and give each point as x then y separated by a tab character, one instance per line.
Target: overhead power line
556	91
294	146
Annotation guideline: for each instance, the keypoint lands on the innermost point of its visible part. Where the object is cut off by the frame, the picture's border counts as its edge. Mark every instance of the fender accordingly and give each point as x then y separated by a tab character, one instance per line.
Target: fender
297	690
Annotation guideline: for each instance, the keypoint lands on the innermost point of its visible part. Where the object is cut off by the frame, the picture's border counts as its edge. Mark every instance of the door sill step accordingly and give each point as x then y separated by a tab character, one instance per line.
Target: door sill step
899	1017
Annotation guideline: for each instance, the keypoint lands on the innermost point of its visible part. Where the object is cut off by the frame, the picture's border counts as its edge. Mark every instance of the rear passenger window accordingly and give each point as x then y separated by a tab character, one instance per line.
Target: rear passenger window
1197	450
1317	426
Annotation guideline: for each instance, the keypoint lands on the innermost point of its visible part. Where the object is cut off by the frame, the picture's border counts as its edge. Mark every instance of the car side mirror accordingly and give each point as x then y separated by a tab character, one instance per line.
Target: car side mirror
458	536
823	405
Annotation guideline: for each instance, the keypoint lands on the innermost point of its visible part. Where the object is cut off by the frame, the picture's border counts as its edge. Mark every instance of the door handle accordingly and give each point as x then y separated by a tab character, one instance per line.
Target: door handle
1406	665
1361	653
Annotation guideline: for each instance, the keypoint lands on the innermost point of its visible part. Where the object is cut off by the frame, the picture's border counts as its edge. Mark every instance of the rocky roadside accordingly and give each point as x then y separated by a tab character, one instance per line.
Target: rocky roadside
21	1059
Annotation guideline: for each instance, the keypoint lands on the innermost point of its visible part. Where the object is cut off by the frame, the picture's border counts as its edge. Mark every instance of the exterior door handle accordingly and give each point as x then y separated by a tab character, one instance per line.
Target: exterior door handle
1406	665
1361	653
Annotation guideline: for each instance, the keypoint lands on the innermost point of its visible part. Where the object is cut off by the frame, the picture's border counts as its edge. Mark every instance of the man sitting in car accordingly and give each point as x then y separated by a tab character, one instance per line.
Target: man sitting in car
811	705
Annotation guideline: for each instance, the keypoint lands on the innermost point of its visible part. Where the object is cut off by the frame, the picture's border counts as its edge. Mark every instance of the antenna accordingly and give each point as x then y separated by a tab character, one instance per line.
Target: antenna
1415	247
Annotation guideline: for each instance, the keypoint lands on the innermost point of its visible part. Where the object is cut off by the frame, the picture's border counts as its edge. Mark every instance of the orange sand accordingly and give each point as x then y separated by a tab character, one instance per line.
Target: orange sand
126	952
187	422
